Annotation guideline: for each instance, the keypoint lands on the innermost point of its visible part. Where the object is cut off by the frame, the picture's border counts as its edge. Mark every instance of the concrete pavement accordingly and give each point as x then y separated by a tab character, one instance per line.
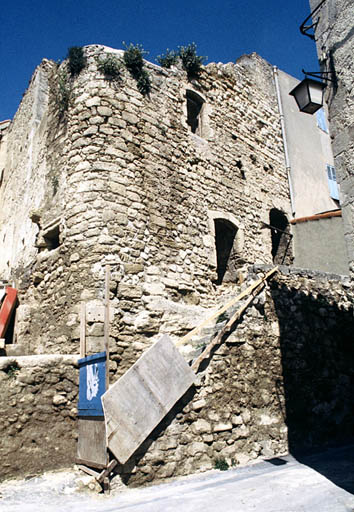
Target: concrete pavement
322	482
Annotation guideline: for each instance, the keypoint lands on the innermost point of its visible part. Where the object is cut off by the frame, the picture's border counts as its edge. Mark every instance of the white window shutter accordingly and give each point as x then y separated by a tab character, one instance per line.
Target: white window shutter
321	119
332	182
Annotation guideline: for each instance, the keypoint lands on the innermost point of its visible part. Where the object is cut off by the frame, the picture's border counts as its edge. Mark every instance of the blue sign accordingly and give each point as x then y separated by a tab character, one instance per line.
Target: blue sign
92	384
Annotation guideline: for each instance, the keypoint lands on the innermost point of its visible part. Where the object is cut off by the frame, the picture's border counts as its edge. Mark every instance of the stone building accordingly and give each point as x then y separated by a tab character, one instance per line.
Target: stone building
333	33
177	205
185	194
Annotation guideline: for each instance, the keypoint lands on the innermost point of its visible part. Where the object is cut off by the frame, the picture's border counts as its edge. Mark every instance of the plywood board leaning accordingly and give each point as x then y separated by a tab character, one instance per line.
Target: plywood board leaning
91	448
139	400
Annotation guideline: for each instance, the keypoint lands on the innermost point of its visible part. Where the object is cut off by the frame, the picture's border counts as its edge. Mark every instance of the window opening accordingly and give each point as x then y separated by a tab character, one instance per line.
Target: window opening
280	234
51	238
225	233
194	110
332	182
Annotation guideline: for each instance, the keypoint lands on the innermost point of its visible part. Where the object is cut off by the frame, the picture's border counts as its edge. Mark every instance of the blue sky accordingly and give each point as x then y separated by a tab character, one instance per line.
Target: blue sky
223	30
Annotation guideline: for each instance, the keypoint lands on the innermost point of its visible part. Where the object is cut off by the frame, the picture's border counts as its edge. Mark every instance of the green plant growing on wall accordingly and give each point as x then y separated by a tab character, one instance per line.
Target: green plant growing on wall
110	67
143	83
12	370
76	60
191	62
134	62
221	464
63	92
168	59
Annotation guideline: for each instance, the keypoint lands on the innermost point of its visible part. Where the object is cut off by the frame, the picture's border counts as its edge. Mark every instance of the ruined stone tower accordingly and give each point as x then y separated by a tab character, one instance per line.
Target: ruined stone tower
172	188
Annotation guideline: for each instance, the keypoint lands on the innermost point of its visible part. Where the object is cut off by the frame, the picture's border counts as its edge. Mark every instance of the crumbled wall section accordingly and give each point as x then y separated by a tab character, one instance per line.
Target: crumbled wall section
282	381
38	413
135	187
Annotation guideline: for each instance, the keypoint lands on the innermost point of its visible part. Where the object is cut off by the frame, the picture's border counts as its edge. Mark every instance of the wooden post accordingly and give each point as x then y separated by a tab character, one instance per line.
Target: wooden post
82	329
106	322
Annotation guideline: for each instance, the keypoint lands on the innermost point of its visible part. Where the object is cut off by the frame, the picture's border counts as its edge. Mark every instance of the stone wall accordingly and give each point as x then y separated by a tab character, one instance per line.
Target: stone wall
126	181
283	380
335	47
38	413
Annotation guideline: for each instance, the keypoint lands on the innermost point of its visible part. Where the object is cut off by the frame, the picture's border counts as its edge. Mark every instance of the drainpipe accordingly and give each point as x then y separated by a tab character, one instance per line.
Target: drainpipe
285	143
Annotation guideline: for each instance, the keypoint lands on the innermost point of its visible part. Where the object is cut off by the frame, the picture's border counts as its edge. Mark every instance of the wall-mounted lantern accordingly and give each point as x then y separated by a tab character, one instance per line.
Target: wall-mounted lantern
309	95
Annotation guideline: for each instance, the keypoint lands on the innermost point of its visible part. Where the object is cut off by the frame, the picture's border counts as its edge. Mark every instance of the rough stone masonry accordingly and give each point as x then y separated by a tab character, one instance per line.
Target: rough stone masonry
122	178
283	380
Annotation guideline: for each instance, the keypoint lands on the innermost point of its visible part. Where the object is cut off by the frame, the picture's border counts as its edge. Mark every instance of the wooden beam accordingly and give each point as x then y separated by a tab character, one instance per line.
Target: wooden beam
227	328
78	460
89	471
82	329
248	290
105	473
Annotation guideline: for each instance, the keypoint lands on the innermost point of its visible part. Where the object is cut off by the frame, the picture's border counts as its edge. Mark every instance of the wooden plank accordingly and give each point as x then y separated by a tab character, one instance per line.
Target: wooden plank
105	473
83	329
141	398
90	463
243	294
106	322
225	330
91	446
89	471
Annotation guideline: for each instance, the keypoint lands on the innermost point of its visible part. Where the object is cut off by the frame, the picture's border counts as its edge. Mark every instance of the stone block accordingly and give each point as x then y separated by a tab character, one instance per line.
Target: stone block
16	350
129	291
156	288
201	427
130	118
133	268
104	111
91	130
222	427
93	102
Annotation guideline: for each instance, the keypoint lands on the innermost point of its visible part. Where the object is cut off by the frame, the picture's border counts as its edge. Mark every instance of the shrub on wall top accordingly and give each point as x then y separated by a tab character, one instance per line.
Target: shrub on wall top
134	62
168	59
191	62
110	66
76	60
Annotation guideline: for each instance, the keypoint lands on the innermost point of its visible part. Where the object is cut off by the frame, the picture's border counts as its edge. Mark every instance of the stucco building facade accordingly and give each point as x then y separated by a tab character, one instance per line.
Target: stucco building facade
334	36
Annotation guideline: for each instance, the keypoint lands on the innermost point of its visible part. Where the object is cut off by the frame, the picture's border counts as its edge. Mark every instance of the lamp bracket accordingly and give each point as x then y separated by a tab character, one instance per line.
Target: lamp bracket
320	74
304	29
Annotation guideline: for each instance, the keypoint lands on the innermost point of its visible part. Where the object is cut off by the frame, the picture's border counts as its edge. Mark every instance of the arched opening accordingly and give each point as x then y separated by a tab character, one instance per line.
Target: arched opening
280	234
225	233
194	112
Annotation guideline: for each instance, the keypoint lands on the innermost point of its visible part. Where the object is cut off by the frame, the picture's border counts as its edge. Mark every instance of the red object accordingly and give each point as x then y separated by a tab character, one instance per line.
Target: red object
7	309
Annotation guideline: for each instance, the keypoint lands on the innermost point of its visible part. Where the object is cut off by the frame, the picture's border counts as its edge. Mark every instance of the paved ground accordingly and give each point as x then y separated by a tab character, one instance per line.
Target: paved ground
322	482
